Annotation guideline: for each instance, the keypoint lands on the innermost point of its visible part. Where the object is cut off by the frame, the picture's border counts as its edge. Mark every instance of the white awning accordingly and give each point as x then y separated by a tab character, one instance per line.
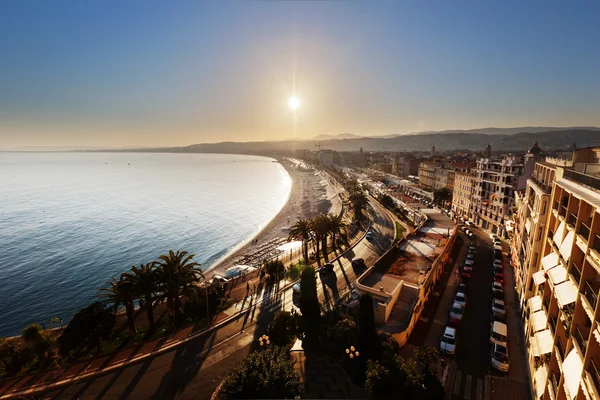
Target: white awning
539	278
545	341
572	368
566	293
540	380
558	274
550	261
539	320
533	346
535	304
559	234
528	226
567	246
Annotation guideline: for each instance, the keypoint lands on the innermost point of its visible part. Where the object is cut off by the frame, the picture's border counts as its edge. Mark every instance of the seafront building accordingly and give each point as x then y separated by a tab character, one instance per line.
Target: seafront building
559	287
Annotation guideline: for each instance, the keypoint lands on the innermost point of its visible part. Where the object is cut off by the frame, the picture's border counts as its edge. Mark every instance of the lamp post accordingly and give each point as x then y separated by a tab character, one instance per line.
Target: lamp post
352	352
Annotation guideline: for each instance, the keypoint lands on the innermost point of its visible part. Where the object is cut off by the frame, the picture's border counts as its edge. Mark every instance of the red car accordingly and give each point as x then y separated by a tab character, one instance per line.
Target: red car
466	273
499	278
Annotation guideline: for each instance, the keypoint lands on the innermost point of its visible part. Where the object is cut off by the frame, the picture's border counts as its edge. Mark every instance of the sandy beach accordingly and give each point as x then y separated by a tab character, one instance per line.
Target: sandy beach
311	195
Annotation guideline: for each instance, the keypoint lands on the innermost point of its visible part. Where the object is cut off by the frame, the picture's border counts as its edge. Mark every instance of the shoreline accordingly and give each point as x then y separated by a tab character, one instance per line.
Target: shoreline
307	199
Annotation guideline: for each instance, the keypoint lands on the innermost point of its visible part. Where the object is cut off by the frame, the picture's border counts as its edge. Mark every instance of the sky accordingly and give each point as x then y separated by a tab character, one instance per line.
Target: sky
154	73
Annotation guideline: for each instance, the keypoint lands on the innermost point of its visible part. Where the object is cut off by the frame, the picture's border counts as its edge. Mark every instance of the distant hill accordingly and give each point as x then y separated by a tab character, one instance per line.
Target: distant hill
556	140
338	136
502	131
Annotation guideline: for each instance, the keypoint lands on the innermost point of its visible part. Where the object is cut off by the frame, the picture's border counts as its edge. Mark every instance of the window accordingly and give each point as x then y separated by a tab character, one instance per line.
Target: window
539	236
543	208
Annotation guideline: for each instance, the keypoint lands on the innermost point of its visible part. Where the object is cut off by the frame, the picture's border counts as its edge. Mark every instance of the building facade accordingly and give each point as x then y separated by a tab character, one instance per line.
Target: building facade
464	184
427	174
559	290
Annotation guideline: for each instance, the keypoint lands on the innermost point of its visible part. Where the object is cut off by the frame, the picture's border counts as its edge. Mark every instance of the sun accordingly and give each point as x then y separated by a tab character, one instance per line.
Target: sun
294	103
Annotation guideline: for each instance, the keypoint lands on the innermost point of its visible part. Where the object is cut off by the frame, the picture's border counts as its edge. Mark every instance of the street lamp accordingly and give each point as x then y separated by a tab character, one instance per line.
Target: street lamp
264	340
352	352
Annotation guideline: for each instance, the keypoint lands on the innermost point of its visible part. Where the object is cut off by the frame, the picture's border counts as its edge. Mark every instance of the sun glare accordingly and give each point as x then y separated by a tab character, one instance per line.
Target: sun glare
294	103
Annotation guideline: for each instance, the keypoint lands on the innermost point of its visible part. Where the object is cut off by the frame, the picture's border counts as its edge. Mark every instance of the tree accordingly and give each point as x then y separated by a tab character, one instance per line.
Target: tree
38	342
177	275
275	269
302	230
121	292
320	229
409	370
13	355
145	284
387	201
366	325
309	305
426	356
387	348
283	329
337	226
344	333
88	327
379	382
359	203
441	195
267	374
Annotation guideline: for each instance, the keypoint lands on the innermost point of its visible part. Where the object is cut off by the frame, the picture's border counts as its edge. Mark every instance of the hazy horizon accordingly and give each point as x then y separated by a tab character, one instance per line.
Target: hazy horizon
108	74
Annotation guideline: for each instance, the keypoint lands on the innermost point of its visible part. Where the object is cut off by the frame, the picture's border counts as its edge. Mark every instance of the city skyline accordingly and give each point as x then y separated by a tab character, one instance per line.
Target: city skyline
109	74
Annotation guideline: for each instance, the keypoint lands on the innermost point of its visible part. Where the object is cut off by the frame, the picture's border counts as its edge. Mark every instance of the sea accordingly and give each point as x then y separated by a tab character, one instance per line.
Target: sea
71	221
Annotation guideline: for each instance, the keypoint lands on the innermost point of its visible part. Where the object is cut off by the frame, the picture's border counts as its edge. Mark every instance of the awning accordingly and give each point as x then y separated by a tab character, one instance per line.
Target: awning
558	274
535	304
567	246
528	226
540	380
558	235
539	319
566	293
539	277
545	341
550	261
533	345
572	368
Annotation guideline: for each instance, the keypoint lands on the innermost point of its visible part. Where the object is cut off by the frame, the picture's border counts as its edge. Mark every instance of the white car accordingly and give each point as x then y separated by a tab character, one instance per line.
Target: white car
456	313
500	357
498	333
498	307
469	263
497	247
218	279
449	340
461	299
497	286
498	263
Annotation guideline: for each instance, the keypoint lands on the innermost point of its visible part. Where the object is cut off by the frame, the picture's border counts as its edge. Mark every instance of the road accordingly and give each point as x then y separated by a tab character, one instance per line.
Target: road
194	370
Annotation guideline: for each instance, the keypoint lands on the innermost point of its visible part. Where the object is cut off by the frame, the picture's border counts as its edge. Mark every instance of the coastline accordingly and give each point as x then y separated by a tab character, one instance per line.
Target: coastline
307	199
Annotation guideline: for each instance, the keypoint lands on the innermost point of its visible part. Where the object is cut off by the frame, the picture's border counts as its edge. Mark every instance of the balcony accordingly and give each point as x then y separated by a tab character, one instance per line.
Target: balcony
580	340
555	205
576	273
584	231
562	211
594	374
572	220
590	294
586	180
596	245
561	350
545	188
552	322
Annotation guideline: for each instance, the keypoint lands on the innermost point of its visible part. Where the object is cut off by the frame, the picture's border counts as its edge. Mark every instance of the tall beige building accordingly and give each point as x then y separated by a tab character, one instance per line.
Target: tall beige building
560	288
464	184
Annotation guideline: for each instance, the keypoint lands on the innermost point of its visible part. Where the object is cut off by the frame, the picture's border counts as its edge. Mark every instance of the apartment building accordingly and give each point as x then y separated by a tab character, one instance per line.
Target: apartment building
561	316
427	174
464	184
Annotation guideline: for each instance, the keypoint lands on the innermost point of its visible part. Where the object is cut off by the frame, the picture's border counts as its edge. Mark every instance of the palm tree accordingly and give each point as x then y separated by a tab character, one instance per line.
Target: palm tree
301	229
337	226
359	202
145	285
177	275
121	292
321	227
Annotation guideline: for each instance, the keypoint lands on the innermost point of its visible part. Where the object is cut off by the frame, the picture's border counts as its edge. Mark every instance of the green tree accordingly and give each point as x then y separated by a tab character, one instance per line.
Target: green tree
283	328
320	228
379	382
275	269
344	333
426	356
387	348
302	230
121	292
38	342
359	202
443	194
177	276
145	284
88	327
366	325
410	372
13	355
387	201
267	374
337	226
309	305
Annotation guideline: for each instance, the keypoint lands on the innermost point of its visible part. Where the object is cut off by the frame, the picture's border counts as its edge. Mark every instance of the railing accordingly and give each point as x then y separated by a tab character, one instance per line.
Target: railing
596	245
561	350
595	374
552	322
555	378
562	211
590	294
545	188
580	341
584	231
572	220
587	180
576	273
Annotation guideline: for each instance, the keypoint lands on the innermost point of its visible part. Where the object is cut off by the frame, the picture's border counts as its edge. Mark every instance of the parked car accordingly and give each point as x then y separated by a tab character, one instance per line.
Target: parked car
471	257
369	235
500	358
498	247
497	286
469	262
219	280
498	270
325	270
498	307
466	272
498	294
449	340
358	263
497	262
456	313
461	298
498	333
462	288
499	278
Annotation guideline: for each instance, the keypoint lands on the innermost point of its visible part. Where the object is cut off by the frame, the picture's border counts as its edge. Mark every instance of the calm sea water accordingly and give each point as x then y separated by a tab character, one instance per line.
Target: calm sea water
71	221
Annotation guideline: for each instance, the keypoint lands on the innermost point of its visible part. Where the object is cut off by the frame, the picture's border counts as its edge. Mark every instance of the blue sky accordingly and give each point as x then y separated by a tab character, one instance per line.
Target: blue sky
128	73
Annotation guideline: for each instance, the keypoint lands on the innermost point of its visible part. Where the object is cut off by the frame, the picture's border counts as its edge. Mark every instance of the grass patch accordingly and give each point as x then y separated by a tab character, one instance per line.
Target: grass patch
399	231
